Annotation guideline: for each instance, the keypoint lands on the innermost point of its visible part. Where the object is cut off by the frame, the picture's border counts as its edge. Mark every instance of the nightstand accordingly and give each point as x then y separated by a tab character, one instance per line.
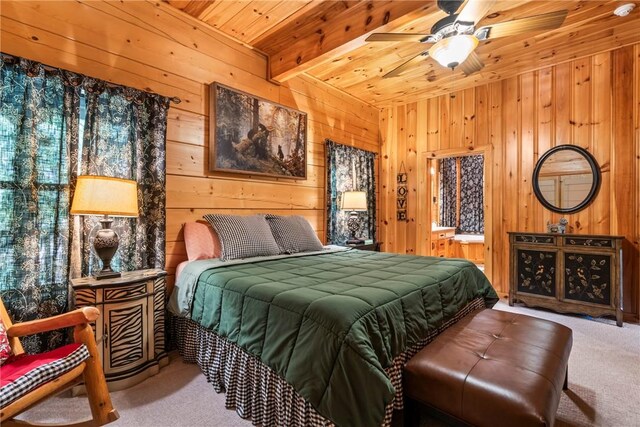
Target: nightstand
374	247
130	330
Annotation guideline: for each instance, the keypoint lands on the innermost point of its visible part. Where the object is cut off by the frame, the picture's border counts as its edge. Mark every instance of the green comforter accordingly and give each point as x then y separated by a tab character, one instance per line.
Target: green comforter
329	324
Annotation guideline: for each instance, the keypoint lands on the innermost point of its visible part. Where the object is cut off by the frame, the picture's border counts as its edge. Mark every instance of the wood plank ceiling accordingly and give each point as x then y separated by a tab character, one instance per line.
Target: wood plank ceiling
325	39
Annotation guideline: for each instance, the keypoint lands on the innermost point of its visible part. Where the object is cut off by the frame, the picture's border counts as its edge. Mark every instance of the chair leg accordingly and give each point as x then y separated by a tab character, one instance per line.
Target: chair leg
97	392
565	386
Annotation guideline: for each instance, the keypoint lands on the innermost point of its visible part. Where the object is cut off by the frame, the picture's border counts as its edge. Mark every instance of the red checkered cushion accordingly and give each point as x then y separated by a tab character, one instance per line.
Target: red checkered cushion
5	348
26	372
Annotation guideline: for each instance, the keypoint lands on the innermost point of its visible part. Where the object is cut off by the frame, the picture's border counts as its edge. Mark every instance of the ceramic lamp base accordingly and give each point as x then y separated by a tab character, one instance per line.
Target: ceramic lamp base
106	244
353	225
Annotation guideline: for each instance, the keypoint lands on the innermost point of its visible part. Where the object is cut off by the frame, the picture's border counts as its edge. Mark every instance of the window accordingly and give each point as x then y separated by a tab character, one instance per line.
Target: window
50	130
461	193
34	195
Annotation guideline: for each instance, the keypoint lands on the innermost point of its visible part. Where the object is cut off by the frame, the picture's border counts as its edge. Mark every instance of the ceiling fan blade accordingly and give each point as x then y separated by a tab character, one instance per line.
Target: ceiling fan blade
474	10
547	21
396	37
407	65
472	64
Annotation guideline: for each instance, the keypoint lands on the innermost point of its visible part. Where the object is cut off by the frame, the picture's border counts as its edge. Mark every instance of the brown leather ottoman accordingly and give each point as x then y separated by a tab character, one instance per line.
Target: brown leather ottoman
493	368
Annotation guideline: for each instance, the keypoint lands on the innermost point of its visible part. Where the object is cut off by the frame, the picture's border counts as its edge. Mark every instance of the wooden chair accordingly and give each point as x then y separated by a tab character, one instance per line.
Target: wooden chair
90	370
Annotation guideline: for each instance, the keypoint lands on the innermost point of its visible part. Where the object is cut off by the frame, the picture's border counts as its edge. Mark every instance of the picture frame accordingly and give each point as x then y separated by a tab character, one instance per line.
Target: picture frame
255	136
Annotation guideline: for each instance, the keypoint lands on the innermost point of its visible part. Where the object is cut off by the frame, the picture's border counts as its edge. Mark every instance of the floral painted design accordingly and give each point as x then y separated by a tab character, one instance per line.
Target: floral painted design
587	278
606	243
349	169
535	239
536	272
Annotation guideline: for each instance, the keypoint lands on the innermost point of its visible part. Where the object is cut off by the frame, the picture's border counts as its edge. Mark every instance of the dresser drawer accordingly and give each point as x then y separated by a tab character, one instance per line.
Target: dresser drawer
124	293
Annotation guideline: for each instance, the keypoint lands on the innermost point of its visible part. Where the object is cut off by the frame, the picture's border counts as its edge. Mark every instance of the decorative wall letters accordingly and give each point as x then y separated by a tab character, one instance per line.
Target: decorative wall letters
401	195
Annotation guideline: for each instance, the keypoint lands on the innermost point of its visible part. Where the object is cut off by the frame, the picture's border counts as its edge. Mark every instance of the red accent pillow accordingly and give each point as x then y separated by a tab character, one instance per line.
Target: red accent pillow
201	241
5	348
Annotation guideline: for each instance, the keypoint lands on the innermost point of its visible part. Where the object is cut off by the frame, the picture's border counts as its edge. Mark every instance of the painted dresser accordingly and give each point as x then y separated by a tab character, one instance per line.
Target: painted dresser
131	328
569	273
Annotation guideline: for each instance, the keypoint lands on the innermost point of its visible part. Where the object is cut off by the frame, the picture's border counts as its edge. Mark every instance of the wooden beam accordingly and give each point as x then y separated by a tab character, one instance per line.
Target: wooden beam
198	8
331	29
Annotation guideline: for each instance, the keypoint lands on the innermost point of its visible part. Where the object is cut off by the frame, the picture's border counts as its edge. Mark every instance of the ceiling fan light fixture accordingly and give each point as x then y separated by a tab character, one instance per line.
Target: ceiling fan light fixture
454	50
624	10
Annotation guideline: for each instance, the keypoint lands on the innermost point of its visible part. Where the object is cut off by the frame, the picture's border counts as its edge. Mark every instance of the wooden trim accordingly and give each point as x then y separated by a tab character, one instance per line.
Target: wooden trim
458	152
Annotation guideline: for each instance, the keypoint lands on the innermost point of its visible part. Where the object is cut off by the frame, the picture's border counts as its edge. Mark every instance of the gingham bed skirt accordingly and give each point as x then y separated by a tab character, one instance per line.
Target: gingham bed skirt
256	392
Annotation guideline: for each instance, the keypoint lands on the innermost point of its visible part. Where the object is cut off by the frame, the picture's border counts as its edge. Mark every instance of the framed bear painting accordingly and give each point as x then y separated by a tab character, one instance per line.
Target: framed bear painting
251	135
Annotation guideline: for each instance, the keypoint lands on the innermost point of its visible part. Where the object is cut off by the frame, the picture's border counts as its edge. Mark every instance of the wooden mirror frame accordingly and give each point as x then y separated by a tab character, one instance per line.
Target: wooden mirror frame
595	185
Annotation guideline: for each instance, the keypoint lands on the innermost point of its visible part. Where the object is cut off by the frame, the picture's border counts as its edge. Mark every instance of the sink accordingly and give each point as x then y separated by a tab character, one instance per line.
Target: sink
442	228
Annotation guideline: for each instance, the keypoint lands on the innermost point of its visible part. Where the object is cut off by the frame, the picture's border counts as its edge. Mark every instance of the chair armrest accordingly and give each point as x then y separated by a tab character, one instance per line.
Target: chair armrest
72	318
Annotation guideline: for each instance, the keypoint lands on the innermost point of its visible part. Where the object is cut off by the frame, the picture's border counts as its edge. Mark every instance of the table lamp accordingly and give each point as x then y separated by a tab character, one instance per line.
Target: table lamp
103	195
354	201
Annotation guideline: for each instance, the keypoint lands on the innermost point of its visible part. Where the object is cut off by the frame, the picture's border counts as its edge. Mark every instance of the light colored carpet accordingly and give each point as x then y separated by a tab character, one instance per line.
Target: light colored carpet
604	371
604	386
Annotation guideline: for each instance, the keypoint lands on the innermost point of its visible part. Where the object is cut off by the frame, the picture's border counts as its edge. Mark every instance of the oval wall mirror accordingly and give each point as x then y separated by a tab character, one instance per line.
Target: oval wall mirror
566	179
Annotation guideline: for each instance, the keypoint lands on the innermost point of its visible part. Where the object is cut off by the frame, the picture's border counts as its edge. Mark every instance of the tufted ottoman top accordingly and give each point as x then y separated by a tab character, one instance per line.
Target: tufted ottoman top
493	368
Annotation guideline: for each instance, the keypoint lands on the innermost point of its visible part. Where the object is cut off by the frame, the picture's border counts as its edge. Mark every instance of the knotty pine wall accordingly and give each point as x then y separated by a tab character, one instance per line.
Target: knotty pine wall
592	102
152	46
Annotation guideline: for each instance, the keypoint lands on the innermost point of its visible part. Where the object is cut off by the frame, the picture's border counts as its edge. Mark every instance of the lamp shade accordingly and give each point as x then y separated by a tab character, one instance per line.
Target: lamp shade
454	50
354	201
103	195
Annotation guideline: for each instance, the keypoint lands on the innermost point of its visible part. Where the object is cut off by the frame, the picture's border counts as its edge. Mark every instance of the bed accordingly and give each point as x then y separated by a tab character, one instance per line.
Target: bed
318	338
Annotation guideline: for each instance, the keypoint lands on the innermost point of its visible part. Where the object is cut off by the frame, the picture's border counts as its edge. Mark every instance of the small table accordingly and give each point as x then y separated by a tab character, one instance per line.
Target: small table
131	328
374	247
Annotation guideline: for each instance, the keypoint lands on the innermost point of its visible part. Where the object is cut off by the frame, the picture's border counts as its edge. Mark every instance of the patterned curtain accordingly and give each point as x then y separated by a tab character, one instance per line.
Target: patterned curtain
41	155
448	192
471	194
38	133
124	137
349	169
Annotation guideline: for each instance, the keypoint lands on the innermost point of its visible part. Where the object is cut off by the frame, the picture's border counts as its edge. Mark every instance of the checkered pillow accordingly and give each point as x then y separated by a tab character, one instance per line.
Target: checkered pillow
293	234
5	348
243	236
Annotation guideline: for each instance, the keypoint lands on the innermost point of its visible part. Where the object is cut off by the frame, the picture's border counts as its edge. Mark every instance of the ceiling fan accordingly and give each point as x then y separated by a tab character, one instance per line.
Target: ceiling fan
455	37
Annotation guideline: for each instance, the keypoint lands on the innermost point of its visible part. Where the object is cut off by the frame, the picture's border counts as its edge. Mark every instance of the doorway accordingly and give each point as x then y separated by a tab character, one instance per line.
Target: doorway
456	220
